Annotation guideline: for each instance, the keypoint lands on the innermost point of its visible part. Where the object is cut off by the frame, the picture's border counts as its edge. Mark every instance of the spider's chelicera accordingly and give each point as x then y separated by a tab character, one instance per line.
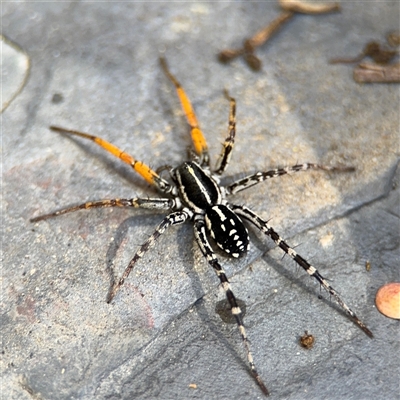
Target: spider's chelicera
195	194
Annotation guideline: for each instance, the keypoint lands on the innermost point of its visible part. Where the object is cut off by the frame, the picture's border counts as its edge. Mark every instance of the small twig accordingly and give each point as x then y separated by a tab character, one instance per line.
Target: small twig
264	34
229	54
290	7
378	53
308	8
257	40
374	73
340	60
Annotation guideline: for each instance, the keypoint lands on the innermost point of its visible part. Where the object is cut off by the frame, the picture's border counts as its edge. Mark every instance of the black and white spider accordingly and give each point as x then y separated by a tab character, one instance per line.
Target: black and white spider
195	194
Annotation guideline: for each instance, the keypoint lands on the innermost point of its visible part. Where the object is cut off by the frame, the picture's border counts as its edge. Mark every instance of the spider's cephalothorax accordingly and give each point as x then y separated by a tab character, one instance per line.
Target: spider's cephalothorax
195	194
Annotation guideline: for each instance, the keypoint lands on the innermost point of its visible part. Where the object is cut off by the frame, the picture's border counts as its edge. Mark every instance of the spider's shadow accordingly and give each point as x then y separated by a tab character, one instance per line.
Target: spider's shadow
295	275
214	323
119	235
187	240
184	240
200	306
302	280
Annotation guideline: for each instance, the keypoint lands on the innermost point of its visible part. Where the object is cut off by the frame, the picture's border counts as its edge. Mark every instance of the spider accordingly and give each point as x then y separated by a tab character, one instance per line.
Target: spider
194	193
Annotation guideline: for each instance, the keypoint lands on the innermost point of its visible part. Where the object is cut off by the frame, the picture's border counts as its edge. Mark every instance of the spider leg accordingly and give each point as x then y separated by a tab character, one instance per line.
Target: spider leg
312	271
229	142
153	204
258	177
142	169
174	218
199	141
201	238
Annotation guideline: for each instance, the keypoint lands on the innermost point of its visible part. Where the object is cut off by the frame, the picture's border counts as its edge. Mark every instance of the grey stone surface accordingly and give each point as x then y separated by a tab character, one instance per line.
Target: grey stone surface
61	340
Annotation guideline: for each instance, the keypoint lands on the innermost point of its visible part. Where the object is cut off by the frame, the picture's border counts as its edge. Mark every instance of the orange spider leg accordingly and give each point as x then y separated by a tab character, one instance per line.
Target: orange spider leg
199	141
142	169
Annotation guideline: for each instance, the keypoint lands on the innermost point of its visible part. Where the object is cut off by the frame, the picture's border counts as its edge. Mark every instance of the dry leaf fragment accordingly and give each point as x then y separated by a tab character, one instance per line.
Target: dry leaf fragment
393	38
374	73
307	340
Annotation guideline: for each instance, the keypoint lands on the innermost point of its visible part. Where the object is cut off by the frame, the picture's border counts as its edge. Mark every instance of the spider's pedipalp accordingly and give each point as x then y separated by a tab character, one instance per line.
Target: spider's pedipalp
312	271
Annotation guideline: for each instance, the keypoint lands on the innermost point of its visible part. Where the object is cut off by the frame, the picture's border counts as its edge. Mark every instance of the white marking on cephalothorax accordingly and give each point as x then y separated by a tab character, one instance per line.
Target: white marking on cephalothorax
202	188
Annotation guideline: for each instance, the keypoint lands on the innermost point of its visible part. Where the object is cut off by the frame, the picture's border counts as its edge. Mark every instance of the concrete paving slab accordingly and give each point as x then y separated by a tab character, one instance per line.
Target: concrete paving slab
94	67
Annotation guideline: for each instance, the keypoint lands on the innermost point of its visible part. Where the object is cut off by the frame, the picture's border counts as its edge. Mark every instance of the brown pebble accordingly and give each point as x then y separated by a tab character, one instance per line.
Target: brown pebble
387	300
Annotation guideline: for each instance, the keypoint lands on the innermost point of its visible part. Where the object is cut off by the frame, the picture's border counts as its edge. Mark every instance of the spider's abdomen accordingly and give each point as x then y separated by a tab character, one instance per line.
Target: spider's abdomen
197	189
227	229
